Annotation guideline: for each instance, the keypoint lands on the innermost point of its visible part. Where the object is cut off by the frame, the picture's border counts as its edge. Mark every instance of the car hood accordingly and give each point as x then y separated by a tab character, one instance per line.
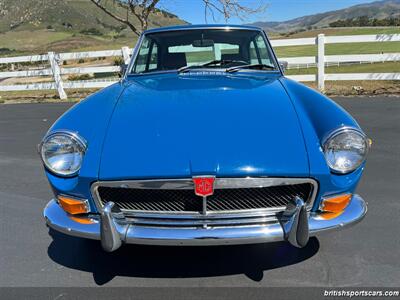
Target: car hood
170	126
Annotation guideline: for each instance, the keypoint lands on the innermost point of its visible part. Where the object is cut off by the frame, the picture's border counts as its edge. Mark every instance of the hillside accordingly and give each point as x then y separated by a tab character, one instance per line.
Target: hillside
67	15
42	25
378	10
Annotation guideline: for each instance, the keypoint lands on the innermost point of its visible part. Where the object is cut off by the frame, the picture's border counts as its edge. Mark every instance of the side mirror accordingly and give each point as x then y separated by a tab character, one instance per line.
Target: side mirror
122	70
283	65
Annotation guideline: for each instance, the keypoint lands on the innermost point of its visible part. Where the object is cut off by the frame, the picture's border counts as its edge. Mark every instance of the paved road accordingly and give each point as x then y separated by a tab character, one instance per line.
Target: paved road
365	255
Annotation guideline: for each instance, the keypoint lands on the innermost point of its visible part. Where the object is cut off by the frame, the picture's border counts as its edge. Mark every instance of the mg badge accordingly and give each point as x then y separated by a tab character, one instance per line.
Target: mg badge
203	186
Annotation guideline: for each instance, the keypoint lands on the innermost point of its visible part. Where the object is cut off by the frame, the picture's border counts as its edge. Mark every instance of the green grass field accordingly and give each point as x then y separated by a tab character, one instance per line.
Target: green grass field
335	49
347	48
387	67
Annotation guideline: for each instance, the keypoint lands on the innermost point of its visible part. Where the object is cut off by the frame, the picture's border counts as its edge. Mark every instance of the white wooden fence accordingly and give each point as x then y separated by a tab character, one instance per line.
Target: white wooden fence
321	60
56	71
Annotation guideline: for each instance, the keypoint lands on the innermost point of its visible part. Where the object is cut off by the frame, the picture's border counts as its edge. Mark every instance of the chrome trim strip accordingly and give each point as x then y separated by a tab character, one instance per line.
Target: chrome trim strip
159	184
210	214
158	222
220	183
133	57
272	51
258	182
201	27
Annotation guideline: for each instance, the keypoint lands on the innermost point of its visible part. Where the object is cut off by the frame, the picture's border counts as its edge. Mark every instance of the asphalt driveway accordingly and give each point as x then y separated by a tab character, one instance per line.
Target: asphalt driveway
30	255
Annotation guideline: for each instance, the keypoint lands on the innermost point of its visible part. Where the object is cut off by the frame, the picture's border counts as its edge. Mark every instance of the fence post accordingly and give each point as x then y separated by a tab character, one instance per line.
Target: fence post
55	69
126	55
217	51
321	62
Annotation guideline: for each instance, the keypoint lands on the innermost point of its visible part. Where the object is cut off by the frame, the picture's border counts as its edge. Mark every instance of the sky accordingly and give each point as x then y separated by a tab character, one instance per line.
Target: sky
192	11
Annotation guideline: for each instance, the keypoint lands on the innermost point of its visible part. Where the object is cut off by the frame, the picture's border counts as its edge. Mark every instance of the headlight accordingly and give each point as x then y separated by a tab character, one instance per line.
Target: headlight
345	150
62	152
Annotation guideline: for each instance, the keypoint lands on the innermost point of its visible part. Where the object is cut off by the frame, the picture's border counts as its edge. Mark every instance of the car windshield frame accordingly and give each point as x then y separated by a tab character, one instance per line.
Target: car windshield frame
270	52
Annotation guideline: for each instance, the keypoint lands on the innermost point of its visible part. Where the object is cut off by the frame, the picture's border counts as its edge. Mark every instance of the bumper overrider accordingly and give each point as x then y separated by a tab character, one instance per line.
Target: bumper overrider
112	228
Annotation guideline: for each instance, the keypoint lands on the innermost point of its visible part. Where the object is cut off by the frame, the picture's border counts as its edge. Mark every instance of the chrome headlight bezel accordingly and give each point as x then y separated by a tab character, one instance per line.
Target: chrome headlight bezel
340	131
75	138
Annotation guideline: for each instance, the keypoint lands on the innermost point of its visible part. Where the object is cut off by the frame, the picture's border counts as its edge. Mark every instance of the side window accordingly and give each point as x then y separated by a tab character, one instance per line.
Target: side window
153	64
147	58
262	48
258	51
142	56
253	53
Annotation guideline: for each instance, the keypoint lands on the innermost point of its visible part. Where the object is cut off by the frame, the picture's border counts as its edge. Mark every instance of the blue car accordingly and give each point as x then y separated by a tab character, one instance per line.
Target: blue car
204	141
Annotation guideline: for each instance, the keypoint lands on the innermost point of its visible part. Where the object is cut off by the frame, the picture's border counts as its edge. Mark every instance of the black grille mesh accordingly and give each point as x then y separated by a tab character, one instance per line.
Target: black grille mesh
187	201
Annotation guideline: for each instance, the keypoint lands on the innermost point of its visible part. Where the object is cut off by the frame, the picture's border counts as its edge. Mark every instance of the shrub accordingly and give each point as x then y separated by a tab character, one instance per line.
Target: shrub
77	77
5	50
91	31
118	61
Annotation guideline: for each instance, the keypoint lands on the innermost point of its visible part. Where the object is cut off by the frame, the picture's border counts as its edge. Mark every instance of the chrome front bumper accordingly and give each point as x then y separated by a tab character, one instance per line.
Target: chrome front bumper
112	229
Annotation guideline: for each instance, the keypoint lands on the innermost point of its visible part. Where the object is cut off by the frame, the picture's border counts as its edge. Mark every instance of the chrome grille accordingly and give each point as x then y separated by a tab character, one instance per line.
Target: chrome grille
257	198
150	199
183	200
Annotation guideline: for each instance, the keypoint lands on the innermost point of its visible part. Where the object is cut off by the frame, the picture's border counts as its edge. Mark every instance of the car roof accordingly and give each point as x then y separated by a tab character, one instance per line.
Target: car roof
201	26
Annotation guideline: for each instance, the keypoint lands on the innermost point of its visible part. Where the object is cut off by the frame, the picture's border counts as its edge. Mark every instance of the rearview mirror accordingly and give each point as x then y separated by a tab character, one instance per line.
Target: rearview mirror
203	43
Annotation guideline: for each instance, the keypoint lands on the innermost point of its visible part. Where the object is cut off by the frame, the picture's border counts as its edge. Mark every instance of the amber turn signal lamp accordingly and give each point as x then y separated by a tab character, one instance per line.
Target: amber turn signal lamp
335	204
73	206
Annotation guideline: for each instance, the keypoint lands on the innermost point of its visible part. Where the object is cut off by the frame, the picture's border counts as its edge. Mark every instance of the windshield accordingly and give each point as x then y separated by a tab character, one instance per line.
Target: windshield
203	48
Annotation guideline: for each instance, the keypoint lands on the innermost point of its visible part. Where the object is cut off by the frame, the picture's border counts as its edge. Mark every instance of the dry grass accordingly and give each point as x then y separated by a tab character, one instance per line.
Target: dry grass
365	87
74	95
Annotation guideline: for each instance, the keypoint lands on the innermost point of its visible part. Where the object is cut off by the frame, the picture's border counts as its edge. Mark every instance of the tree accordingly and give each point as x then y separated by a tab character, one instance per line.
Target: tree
365	21
231	8
141	10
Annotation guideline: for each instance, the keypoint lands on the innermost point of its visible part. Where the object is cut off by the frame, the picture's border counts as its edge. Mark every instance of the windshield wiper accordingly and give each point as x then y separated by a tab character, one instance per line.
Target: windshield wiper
251	66
211	63
224	62
187	68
